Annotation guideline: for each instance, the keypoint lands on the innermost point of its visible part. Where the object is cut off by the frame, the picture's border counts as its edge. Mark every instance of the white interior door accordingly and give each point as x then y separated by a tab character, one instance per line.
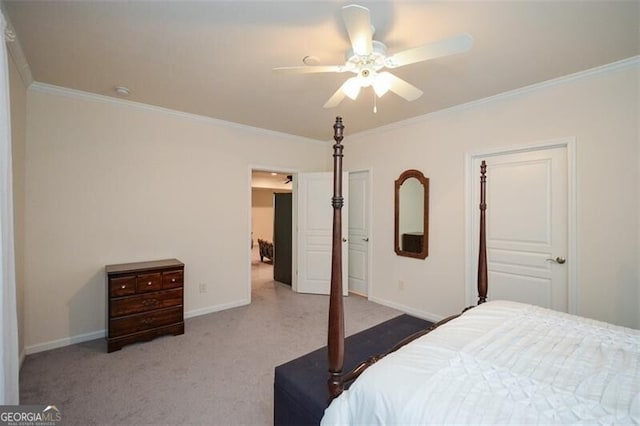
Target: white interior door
527	216
359	232
315	232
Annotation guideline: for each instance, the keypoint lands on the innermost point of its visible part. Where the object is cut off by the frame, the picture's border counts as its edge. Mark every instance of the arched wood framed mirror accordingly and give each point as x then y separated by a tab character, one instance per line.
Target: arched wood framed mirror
412	215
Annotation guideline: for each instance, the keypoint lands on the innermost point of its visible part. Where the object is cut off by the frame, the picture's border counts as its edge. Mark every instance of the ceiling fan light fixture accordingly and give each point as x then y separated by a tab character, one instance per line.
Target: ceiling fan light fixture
382	83
351	88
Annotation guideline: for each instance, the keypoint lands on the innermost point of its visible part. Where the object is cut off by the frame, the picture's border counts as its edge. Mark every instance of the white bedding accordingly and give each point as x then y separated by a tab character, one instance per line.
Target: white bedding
502	362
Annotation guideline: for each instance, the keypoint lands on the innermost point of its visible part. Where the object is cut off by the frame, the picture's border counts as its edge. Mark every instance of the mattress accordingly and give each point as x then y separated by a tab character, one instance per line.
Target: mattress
502	363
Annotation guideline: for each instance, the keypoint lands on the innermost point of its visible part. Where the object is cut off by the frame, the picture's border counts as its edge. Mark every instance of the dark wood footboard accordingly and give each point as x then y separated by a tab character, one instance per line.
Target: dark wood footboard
350	376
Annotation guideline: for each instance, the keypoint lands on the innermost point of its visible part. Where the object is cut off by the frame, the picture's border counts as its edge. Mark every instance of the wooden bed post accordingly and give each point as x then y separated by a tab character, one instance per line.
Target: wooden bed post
335	341
482	252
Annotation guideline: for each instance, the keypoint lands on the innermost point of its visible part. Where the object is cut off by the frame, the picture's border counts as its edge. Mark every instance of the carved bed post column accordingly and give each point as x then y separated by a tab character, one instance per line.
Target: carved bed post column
335	342
482	260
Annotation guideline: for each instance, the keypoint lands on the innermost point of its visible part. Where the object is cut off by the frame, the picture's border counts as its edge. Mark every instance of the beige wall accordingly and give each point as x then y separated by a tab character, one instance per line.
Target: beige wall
599	110
262	213
111	182
18	94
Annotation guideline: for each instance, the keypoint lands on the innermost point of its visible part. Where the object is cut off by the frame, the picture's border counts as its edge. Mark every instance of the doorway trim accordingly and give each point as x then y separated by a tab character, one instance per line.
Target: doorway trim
294	244
572	249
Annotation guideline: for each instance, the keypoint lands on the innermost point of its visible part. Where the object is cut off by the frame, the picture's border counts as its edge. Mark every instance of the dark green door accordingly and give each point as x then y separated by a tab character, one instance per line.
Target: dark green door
282	216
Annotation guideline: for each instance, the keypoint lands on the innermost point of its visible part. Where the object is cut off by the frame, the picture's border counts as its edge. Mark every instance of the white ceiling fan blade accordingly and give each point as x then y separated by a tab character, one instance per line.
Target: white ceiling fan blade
350	88
401	87
457	44
358	22
335	99
309	69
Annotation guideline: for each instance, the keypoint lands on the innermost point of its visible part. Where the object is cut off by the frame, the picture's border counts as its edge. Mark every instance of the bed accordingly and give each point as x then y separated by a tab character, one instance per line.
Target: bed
499	362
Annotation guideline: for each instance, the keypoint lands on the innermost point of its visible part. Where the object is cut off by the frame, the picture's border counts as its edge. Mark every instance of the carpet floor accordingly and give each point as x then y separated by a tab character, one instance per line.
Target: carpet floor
220	372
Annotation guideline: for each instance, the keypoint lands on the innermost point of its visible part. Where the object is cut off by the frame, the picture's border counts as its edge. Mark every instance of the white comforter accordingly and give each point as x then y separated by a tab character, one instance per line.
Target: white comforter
502	362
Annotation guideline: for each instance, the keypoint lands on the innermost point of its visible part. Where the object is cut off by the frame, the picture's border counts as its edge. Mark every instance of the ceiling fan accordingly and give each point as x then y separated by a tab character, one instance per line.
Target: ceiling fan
367	58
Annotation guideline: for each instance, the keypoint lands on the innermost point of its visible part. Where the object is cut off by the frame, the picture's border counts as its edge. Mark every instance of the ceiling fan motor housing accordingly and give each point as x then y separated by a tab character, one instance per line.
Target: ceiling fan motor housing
374	61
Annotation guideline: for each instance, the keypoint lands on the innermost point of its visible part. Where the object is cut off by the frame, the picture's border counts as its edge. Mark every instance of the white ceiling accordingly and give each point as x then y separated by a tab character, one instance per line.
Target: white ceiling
215	58
270	180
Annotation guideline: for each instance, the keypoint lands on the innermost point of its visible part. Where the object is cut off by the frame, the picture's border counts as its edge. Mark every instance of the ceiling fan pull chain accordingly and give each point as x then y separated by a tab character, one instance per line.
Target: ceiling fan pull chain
375	103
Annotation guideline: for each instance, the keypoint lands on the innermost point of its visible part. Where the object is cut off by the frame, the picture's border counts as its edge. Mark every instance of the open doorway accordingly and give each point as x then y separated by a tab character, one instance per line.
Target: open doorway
266	181
271	228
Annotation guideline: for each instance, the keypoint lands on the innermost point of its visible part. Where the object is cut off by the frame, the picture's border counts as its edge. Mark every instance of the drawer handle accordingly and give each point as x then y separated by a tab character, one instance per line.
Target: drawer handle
150	302
173	280
149	283
147	320
123	286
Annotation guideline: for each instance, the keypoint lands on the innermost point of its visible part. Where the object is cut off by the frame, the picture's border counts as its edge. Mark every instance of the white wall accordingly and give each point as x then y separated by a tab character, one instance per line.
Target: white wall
18	95
110	182
599	109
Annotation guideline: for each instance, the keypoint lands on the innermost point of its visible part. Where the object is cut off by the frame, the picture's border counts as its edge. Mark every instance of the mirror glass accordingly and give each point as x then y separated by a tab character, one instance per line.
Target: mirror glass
411	214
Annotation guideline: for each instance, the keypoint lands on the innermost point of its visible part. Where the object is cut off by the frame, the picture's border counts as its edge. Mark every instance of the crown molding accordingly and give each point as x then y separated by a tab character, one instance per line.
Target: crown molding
37	86
631	62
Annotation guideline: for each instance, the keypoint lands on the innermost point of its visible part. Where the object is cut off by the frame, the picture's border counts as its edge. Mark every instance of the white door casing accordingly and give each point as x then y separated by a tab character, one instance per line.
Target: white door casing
315	232
359	232
530	217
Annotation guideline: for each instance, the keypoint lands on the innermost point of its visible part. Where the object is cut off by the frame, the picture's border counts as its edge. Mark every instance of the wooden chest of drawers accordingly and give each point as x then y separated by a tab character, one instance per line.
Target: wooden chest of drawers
144	300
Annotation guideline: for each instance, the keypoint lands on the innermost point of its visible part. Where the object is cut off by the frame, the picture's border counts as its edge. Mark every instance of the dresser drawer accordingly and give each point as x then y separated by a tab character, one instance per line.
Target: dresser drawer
122	286
145	302
172	279
144	321
149	282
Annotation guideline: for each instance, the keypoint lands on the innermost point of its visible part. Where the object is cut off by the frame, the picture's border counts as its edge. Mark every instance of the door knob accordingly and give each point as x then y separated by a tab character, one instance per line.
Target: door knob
344	240
560	260
365	239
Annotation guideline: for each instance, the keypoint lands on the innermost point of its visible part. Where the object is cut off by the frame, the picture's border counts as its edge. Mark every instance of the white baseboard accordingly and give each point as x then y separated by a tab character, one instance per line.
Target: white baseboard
411	311
79	338
21	359
65	341
216	308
